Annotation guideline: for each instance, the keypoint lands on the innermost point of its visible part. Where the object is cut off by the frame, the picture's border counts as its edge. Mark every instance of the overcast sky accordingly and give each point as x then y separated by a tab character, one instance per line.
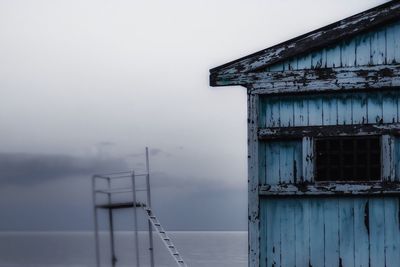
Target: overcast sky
85	85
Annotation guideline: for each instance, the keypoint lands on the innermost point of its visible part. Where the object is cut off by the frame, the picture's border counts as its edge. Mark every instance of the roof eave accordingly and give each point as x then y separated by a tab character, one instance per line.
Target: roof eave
313	40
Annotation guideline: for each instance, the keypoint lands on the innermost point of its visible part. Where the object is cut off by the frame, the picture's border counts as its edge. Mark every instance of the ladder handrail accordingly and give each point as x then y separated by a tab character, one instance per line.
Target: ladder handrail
164	237
153	222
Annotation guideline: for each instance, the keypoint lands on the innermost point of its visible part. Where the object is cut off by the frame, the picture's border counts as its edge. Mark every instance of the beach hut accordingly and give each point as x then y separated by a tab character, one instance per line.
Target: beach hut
324	144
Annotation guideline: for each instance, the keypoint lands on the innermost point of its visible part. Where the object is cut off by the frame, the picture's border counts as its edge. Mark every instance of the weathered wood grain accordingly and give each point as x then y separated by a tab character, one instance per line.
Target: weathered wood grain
253	176
377	106
331	232
377	232
392	231
331	189
361	232
346	231
317	240
388	158
326	131
308	159
317	80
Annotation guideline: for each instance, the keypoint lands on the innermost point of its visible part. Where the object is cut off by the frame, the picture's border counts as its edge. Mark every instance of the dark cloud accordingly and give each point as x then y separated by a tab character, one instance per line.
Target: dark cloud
21	168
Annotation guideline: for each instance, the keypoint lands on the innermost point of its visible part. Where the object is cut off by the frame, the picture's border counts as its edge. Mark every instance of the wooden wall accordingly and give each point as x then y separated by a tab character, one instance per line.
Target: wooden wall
353	231
284	161
335	231
344	232
330	109
378	47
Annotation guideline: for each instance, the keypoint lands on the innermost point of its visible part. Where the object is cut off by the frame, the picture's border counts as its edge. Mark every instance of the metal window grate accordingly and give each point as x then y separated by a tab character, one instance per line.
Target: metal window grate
348	159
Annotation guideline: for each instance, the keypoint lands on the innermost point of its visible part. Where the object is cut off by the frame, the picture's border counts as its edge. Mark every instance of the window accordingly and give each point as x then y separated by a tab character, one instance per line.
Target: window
348	159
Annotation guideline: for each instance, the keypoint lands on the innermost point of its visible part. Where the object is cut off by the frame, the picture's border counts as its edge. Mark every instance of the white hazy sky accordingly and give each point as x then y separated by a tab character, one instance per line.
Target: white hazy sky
82	82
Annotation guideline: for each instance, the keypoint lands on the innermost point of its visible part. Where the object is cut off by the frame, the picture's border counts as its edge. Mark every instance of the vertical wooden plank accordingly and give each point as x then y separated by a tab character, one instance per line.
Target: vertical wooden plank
253	176
272	112
286	65
392	231
388	158
344	109
308	159
262	159
333	57
378	47
331	230
286	112
300	112
397	158
293	63
268	113
389	107
363	50
274	242
276	67
374	108
262	117
272	162
346	232
264	233
288	239
329	110
361	232
317	59
304	62
286	156
317	232
393	43
359	108
302	225
377	232
315	111
297	161
348	53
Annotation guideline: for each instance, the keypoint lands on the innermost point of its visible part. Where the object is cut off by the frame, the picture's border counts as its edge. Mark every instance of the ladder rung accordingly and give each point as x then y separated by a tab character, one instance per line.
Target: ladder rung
117	190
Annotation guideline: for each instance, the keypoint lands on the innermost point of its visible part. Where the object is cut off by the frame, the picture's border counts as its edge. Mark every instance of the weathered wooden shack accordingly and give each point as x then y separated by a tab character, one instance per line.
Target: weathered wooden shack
324	144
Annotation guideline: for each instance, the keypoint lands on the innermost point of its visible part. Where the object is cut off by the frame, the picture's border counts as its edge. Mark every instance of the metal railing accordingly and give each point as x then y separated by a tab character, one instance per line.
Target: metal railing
110	203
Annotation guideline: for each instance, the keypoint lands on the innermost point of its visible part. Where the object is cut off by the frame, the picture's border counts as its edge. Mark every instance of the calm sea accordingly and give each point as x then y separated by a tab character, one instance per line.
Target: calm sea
76	249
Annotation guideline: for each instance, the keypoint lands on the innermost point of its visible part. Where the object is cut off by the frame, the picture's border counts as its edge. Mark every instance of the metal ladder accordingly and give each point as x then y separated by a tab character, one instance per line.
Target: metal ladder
110	204
164	237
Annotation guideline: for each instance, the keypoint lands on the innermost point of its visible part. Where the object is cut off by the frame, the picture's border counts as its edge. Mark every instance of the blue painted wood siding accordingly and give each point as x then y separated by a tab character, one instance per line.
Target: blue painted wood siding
286	161
381	46
336	231
347	232
330	109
